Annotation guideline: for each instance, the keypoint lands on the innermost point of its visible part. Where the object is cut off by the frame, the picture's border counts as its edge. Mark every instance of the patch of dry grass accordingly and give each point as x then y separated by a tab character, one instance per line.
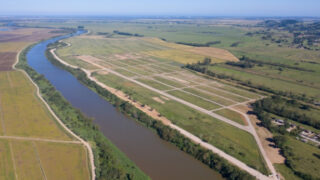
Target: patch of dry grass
63	161
23	114
27	163
6	165
217	53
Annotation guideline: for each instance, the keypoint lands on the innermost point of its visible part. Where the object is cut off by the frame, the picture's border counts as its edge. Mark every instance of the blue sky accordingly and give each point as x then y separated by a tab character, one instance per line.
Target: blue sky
162	7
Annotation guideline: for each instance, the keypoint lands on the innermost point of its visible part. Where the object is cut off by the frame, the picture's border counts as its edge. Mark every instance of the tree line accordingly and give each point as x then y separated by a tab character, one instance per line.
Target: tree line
207	44
199	67
290	109
127	34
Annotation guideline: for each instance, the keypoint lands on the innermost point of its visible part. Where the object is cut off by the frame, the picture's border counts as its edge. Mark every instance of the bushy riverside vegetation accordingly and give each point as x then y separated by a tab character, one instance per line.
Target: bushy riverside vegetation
215	162
109	161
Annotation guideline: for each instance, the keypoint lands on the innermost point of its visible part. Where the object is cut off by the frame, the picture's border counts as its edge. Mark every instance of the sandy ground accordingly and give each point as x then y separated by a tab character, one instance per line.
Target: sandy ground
158	100
263	133
103	72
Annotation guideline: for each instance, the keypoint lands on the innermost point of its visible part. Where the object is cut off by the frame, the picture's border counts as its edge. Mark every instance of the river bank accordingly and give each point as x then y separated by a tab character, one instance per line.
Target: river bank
171	135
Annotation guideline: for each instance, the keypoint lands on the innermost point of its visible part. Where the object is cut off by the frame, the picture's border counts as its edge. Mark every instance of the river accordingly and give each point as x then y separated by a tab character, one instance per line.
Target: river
157	158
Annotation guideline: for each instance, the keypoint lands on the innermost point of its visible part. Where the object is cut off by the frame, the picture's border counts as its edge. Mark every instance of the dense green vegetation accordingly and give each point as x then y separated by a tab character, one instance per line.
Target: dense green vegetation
300	157
109	161
208	44
289	109
126	34
207	157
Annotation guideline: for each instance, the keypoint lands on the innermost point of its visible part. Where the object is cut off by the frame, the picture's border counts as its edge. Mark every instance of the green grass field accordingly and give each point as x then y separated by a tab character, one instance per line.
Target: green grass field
194	100
232	140
276	84
303	157
232	115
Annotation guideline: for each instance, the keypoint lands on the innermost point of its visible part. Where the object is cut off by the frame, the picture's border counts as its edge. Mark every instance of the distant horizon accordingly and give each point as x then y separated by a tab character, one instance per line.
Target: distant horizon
202	8
147	16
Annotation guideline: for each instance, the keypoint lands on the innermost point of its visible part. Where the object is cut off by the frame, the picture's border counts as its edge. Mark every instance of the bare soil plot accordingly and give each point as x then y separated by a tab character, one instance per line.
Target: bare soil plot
23	114
63	161
26	35
158	100
6	60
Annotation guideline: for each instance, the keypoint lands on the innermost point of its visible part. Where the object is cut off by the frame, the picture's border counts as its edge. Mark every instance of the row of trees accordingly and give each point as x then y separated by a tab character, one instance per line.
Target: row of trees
285	108
253	61
207	44
126	33
207	157
204	69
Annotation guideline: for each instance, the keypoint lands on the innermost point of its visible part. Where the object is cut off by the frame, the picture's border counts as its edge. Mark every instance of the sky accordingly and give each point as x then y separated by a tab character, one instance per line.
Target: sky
162	7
